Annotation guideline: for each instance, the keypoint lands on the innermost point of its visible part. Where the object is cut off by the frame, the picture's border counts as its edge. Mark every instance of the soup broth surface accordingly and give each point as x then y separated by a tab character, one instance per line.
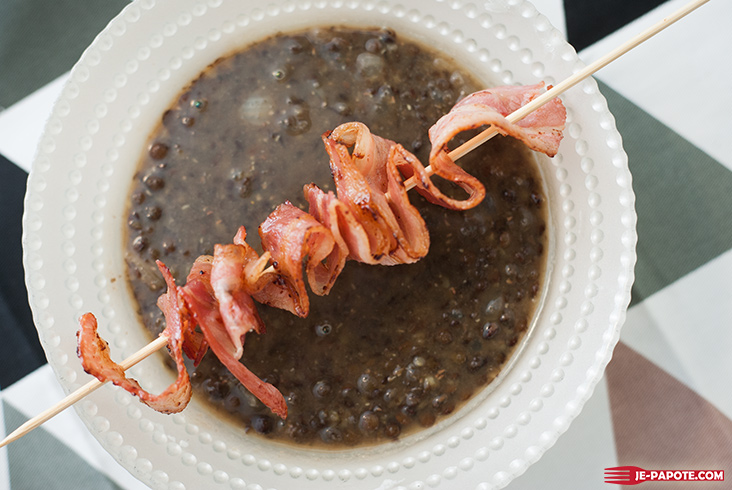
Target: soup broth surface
391	349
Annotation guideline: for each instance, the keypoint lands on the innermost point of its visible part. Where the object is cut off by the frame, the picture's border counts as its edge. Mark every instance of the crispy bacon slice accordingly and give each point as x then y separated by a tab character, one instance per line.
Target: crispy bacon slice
194	342
255	268
94	354
541	131
199	297
354	191
229	283
412	233
369	184
199	292
349	235
293	238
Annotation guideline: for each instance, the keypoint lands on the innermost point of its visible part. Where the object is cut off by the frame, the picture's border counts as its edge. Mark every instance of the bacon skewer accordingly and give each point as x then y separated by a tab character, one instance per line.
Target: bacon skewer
370	219
459	152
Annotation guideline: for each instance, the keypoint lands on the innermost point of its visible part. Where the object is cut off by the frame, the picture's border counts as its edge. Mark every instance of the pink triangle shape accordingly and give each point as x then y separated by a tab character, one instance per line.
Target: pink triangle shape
661	424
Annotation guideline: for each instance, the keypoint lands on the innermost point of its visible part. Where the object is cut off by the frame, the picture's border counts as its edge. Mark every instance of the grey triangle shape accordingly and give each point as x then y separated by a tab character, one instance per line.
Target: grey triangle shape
60	31
39	461
683	198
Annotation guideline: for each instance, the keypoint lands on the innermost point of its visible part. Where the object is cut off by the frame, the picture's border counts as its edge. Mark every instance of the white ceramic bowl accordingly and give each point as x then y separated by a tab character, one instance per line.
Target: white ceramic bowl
75	209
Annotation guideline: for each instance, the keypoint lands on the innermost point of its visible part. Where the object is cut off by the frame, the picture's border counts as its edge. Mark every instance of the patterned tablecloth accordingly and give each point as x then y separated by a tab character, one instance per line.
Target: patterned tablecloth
666	399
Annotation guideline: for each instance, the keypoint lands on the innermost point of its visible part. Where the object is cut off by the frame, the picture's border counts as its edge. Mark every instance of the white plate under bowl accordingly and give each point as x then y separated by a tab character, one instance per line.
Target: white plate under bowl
74	219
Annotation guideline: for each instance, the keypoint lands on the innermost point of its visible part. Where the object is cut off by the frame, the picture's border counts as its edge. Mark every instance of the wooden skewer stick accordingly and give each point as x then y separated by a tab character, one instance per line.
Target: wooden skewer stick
82	392
455	154
568	83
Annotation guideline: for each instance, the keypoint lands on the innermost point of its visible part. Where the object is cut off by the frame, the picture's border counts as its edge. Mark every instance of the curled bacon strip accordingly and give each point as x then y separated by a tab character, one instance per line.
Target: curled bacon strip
294	237
233	293
376	221
95	359
195	345
541	131
200	299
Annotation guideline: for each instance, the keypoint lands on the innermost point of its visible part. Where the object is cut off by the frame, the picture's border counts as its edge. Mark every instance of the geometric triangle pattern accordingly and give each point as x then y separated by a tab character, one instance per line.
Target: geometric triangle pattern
25	353
52	466
582	33
53	35
674	237
662	424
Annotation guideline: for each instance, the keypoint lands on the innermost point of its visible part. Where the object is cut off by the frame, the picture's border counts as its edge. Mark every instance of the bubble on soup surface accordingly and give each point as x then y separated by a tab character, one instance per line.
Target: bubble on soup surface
256	108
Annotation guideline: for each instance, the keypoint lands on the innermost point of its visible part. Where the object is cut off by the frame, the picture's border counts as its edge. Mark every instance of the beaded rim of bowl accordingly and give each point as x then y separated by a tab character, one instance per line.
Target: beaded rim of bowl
73	208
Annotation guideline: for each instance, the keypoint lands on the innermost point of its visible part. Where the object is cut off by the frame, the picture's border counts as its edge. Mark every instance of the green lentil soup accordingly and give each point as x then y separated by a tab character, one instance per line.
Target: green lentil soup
391	350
